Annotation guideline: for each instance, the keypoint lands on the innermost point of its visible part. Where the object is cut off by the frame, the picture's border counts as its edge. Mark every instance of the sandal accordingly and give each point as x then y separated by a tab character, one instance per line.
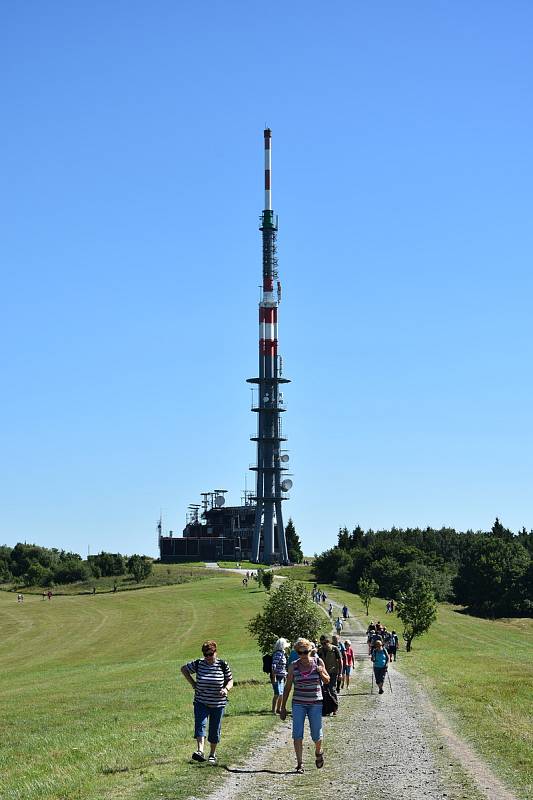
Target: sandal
299	769
319	760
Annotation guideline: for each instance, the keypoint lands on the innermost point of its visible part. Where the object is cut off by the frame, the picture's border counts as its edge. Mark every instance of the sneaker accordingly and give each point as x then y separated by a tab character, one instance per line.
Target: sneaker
198	756
381	691
212	760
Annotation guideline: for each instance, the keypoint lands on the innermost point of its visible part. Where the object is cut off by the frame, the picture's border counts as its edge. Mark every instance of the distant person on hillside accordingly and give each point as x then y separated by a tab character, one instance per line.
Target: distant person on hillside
49	595
278	673
380	658
338	626
330	611
211	688
345	611
306	676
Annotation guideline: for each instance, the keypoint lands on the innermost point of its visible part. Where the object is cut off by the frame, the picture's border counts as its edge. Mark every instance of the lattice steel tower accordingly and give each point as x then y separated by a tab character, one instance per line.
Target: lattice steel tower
271	460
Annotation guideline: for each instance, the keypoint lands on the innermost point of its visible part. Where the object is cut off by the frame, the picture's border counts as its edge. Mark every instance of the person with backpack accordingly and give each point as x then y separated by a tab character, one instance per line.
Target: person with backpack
393	645
211	688
380	658
278	673
331	656
306	676
336	642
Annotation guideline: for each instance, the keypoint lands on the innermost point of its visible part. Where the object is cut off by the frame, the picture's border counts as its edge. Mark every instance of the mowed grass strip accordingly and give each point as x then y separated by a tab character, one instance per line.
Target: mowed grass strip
478	671
92	704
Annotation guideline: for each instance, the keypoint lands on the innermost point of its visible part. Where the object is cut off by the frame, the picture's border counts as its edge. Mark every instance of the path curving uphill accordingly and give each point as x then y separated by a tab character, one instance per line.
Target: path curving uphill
392	746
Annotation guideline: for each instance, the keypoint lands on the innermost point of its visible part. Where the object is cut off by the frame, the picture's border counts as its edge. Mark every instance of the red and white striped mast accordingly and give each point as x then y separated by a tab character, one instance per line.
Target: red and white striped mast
269	487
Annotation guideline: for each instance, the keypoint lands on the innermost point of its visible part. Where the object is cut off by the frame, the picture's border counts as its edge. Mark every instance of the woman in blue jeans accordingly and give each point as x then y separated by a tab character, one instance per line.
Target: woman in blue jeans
306	676
211	688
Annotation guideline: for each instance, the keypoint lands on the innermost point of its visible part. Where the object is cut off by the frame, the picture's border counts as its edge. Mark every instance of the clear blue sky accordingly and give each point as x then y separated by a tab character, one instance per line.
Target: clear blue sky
131	160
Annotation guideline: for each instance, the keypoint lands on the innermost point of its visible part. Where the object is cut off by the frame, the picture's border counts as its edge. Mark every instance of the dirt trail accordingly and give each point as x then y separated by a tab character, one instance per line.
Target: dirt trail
398	737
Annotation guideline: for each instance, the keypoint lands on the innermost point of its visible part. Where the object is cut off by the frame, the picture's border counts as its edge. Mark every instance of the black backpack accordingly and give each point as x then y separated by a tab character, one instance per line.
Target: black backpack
267	664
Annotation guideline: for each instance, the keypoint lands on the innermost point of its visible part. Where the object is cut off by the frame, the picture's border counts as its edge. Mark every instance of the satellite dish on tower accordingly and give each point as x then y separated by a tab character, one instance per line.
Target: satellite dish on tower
286	484
284	457
220	500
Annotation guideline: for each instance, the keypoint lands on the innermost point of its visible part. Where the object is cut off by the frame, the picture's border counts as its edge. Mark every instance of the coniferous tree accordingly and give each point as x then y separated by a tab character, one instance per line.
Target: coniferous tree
294	546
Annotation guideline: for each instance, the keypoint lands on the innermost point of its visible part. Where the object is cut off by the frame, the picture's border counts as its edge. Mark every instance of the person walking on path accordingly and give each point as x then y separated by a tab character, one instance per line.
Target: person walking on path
278	673
331	656
211	687
348	664
338	643
306	676
380	658
392	647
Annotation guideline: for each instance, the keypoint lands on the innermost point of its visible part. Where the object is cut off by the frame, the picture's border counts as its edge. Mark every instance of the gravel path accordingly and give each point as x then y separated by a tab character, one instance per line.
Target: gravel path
393	745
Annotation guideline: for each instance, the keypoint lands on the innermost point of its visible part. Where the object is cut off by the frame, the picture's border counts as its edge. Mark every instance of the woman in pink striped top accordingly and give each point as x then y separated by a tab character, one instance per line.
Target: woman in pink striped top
306	676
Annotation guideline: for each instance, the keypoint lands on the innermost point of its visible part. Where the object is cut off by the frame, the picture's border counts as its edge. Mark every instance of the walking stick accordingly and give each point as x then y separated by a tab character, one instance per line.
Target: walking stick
390	684
372	688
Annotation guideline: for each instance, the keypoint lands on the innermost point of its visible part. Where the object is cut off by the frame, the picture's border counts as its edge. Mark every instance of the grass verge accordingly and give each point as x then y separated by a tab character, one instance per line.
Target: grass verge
92	705
480	673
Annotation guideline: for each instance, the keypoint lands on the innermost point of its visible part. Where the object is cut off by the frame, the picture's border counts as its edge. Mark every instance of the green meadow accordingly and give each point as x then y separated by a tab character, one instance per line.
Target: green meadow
480	673
92	703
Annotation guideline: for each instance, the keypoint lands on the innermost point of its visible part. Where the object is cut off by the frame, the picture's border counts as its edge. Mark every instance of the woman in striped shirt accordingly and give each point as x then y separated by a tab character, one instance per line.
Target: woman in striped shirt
306	676
211	688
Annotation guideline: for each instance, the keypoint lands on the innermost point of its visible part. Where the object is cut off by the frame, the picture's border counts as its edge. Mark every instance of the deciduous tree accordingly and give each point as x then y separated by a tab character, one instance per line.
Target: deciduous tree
367	589
417	609
289	613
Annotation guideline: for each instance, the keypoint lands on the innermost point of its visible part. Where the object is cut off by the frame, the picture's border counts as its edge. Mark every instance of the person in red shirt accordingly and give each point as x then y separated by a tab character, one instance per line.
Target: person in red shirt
348	664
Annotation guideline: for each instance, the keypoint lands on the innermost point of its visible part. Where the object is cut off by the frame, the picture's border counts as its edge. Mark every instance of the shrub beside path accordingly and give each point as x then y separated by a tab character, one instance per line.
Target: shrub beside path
393	745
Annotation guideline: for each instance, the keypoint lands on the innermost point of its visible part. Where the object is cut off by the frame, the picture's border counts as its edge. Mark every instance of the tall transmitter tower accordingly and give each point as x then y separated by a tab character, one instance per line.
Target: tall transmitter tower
271	460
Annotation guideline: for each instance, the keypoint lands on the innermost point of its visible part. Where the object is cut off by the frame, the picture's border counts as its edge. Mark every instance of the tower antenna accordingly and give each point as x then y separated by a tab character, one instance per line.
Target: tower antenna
269	486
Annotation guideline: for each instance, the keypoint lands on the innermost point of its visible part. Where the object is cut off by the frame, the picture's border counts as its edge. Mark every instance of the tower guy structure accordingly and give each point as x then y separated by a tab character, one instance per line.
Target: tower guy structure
271	489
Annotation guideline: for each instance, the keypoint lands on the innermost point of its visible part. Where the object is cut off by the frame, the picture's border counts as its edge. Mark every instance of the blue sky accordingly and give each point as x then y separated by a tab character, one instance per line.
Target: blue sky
131	152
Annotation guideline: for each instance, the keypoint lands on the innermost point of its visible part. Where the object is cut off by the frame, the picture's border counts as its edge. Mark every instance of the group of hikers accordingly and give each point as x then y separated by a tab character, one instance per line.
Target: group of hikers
389	639
314	673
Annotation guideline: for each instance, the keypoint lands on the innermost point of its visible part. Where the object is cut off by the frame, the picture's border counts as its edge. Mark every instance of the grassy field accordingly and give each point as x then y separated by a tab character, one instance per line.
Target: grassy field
162	575
92	705
480	672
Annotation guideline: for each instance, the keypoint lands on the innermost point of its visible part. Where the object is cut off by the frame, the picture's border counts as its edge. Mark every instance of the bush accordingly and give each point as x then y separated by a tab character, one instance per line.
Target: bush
140	567
38	575
268	579
69	572
289	613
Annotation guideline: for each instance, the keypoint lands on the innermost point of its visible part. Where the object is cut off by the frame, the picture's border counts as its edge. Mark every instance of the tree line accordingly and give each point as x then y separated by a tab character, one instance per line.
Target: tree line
32	565
489	572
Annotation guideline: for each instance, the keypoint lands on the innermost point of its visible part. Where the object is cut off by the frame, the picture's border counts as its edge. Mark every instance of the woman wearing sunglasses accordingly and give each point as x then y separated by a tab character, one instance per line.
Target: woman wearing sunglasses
211	688
306	676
